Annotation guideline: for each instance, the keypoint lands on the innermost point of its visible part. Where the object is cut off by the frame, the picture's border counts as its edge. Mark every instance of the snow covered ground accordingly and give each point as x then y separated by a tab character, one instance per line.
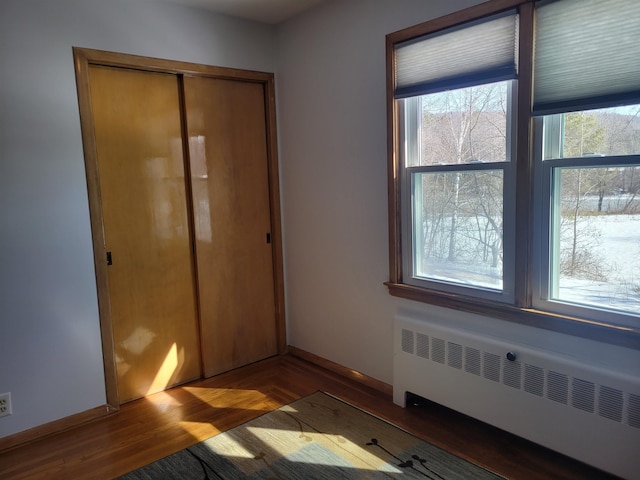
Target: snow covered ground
618	254
619	250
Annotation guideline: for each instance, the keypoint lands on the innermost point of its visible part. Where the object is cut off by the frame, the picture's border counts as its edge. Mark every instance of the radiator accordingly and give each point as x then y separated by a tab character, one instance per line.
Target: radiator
570	406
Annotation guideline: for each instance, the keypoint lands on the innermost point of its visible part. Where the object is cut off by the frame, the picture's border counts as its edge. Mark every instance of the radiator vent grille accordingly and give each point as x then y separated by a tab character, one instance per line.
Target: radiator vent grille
558	387
472	364
422	345
454	358
407	341
611	403
512	374
634	410
534	380
491	366
437	350
585	395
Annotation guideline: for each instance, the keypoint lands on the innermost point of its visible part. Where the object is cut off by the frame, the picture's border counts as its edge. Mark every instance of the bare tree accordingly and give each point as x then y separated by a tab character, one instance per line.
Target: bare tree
579	237
463	209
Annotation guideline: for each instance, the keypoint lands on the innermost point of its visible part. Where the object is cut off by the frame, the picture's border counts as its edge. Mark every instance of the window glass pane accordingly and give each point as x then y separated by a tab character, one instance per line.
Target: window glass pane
595	253
606	131
461	126
458	222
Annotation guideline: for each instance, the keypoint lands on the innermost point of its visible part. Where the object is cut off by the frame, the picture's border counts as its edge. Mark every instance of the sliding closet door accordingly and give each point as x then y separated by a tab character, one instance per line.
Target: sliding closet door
228	149
137	121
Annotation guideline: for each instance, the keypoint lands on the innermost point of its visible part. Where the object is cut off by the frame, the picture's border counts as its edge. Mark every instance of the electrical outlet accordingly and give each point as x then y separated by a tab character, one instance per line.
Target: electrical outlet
5	404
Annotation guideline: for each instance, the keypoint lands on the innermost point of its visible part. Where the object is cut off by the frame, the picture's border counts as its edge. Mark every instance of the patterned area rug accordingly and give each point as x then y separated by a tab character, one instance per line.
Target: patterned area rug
316	437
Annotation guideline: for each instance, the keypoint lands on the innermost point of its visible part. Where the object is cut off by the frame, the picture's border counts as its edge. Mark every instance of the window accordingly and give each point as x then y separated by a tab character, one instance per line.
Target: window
516	194
455	173
590	194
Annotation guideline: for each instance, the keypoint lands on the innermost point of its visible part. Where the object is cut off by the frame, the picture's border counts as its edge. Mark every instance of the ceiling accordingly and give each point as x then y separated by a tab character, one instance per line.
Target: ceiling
266	11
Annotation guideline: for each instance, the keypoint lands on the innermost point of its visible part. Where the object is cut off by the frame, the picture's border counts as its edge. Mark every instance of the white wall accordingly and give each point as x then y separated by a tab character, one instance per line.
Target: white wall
332	112
50	350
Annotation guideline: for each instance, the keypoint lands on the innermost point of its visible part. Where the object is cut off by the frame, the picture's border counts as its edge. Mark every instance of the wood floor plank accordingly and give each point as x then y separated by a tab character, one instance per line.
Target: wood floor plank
153	427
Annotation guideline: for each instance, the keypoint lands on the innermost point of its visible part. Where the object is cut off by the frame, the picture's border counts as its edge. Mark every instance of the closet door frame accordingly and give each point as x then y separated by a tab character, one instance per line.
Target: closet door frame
83	58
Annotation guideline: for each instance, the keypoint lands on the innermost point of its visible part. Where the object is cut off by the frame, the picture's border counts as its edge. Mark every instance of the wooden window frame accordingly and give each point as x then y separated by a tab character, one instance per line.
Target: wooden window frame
521	311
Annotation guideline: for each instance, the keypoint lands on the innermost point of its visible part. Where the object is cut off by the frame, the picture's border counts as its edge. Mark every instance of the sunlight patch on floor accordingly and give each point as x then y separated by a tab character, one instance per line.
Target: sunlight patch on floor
287	442
231	447
199	430
163	401
275	444
210	395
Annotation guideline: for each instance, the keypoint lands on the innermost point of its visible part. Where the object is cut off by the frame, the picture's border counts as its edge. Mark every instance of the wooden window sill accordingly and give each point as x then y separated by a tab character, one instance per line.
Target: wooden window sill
628	337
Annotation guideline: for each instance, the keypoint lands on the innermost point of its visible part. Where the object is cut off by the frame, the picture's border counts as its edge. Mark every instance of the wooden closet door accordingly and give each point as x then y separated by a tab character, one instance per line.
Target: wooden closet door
228	151
137	117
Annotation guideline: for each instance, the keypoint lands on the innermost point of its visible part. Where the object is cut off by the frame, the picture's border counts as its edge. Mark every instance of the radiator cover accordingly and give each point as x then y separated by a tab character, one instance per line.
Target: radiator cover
578	409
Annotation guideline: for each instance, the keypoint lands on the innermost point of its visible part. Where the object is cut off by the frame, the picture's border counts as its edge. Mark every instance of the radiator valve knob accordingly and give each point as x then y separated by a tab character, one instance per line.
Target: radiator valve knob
511	356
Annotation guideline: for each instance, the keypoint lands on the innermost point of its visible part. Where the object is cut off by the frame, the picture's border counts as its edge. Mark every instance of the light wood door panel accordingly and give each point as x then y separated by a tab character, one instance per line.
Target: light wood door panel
228	149
143	192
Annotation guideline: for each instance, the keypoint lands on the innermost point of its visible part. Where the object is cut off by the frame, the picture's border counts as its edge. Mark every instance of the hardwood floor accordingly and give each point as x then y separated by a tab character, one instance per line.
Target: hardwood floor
153	427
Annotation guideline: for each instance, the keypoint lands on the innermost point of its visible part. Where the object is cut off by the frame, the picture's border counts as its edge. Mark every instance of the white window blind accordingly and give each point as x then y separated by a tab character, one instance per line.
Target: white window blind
473	54
587	55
